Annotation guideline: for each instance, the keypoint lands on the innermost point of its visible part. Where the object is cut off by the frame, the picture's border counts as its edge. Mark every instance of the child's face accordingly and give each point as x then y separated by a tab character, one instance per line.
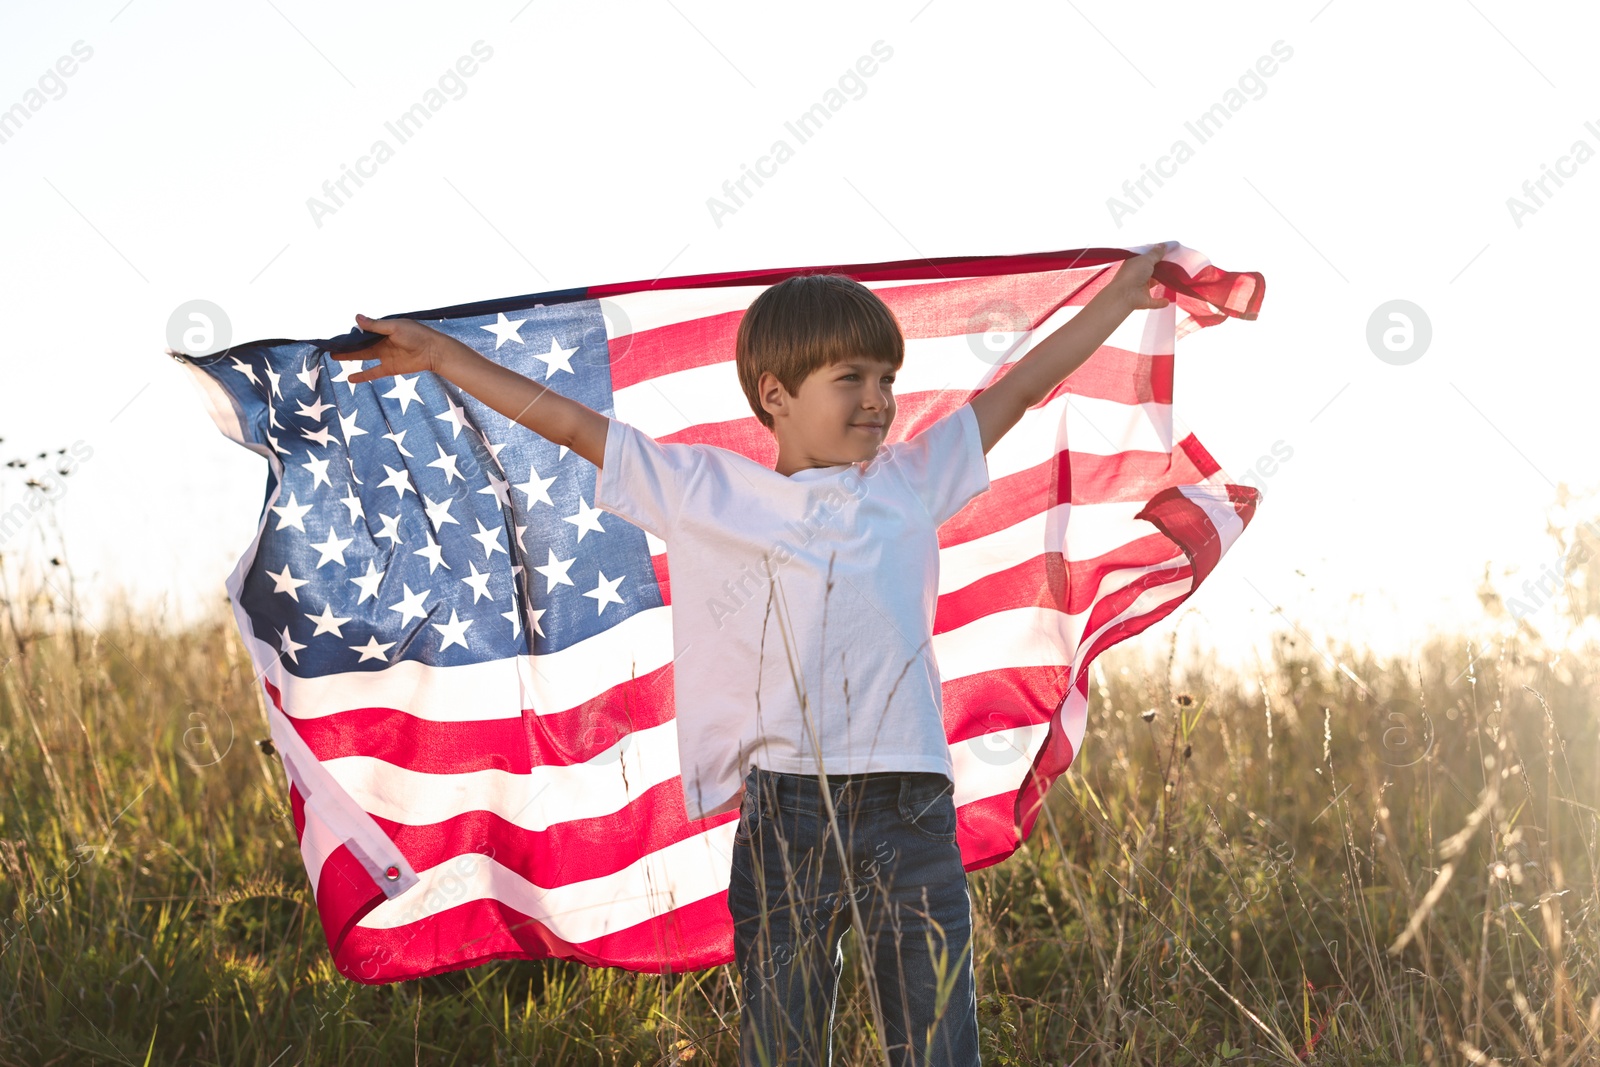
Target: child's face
842	412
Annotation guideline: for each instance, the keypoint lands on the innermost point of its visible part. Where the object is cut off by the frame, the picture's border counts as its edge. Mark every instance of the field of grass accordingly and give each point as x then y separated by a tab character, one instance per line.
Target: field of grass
1332	860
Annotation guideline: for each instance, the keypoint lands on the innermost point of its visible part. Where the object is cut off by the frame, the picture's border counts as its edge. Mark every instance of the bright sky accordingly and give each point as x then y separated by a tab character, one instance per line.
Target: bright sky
1367	156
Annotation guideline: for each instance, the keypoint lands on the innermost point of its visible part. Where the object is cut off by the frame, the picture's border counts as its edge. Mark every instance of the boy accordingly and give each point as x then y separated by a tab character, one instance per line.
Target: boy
831	698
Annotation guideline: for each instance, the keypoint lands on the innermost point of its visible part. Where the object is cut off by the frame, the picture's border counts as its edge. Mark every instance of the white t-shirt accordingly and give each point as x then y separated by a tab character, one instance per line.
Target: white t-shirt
871	685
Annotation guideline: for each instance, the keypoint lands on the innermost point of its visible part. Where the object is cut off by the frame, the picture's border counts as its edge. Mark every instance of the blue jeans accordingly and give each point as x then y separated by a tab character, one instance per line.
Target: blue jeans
898	831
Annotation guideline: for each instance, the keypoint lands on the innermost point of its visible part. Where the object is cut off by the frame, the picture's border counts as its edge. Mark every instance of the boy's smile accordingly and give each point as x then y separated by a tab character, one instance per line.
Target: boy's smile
839	415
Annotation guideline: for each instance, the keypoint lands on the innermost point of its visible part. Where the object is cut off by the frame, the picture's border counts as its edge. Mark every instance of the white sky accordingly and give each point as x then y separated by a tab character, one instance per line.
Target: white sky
1376	166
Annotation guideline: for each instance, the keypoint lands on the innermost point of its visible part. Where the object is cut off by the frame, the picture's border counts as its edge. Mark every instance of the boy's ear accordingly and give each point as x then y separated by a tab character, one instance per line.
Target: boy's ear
774	397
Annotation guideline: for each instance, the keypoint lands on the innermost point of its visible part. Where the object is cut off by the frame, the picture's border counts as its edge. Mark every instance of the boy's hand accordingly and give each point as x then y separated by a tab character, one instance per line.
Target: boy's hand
408	347
1132	283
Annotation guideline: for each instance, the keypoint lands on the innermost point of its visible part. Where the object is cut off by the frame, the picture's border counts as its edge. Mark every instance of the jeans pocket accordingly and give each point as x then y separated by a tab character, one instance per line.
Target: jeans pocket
749	814
927	805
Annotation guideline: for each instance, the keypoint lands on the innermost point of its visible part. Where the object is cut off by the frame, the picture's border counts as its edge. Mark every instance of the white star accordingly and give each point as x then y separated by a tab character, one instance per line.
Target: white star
455	631
434	554
327	622
520	531
555	572
320	435
347	367
373	650
391	529
447	463
537	614
586	519
276	447
489	539
511	617
272	417
353	502
287	583
399	481
332	549
558	358
561	455
497	486
479	583
291	513
274	377
319	472
368	582
399	440
405	391
504	331
348	427
453	415
288	645
246	370
439	513
537	488
411	605
606	592
313	411
308	374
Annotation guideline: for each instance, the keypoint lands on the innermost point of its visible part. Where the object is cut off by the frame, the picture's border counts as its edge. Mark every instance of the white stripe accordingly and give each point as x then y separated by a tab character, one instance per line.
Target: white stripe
603	785
469	692
1093	531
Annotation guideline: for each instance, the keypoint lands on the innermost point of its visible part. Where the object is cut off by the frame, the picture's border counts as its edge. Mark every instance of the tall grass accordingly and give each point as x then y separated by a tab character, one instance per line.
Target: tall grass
1331	859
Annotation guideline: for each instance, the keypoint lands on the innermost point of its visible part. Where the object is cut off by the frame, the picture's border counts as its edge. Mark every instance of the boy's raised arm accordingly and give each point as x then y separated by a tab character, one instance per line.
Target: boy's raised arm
1047	364
410	347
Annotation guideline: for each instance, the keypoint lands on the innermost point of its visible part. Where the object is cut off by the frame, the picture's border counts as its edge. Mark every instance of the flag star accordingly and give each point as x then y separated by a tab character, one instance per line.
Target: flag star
248	371
606	592
319	472
276	447
587	518
308	374
332	549
535	615
288	645
313	411
434	554
453	415
479	583
272	417
489	539
497	486
454	631
321	435
520	531
351	467
511	617
274	377
327	622
373	650
391	529
447	463
284	582
291	513
405	391
399	440
410	605
558	358
368	582
399	481
347	367
555	572
353	502
439	513
348	428
537	488
504	331
561	455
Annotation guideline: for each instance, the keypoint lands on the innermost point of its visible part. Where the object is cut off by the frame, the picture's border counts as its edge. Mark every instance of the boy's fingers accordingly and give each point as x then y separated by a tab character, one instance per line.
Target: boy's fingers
383	326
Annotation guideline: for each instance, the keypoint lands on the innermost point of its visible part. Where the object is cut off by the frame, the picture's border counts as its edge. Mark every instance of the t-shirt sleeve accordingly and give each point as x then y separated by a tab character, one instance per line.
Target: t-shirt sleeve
643	480
945	464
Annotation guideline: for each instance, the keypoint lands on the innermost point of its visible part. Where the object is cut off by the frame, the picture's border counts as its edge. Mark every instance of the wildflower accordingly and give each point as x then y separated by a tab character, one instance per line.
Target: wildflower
1185	700
1148	716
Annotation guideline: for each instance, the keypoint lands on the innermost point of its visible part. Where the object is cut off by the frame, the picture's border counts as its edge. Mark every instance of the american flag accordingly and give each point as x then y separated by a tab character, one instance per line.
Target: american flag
466	667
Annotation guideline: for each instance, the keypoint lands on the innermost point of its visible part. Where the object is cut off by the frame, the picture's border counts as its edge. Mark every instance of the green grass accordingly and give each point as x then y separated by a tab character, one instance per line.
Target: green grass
1220	881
